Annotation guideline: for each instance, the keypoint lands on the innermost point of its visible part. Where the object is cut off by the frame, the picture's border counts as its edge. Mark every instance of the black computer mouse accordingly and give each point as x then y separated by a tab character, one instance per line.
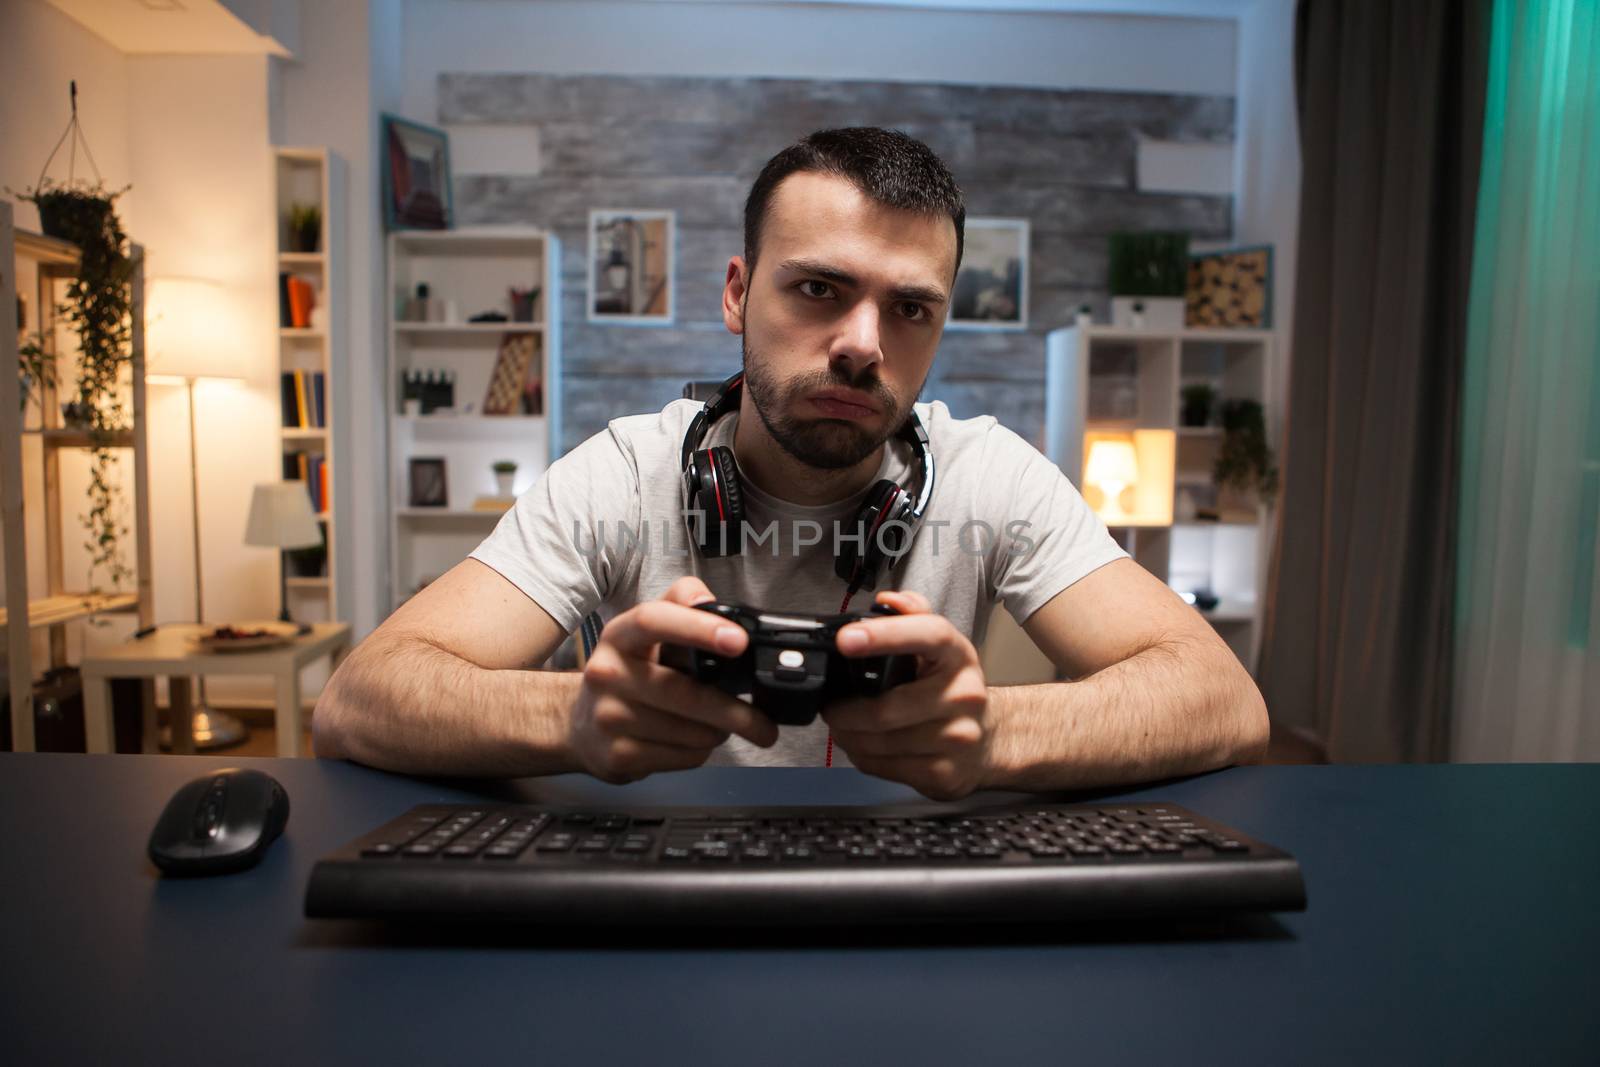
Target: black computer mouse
220	823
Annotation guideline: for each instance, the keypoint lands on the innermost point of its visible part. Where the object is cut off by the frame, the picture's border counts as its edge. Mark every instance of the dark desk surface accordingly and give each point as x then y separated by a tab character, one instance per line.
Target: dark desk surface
1453	918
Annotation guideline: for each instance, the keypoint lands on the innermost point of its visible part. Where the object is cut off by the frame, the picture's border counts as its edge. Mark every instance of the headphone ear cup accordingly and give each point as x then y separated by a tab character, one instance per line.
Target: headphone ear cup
863	554
715	504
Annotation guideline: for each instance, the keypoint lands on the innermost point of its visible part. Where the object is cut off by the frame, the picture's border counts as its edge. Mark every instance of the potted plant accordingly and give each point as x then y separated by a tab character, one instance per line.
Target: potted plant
1244	462
35	368
1197	404
98	307
1149	276
505	473
305	227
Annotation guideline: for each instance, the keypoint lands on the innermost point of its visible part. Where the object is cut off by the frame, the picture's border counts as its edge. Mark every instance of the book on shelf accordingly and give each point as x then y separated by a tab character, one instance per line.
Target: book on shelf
310	469
296	298
305	399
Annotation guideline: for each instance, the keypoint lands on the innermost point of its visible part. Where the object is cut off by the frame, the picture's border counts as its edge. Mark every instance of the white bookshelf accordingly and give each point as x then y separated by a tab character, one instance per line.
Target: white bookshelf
468	272
1101	378
314	175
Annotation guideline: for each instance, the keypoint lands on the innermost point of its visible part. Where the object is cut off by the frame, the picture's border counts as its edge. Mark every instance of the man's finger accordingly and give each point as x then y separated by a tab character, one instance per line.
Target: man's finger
652	685
944	737
932	637
623	719
638	630
630	758
923	700
905	601
688	590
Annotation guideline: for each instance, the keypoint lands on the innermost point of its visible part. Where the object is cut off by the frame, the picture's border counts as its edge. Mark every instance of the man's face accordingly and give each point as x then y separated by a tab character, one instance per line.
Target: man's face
841	318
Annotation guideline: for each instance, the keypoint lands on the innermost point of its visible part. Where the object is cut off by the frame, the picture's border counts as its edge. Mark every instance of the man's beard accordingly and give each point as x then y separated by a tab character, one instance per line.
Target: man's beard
827	444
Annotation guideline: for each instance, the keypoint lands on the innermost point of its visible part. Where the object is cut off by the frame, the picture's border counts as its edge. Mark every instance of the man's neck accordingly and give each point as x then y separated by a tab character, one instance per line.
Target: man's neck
763	461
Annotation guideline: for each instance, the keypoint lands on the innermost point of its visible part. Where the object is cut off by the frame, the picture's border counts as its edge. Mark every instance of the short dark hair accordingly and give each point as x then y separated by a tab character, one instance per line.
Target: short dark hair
888	167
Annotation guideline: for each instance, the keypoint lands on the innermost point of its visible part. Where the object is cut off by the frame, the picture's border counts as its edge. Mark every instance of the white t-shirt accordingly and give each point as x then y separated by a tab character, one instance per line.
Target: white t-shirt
603	529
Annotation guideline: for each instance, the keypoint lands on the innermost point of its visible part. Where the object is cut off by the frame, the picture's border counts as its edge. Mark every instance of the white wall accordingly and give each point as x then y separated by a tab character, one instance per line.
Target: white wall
329	96
1267	175
1067	51
197	134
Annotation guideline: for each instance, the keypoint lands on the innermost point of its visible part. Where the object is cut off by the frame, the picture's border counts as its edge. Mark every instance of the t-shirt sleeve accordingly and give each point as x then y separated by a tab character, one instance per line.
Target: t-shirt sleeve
558	544
1047	537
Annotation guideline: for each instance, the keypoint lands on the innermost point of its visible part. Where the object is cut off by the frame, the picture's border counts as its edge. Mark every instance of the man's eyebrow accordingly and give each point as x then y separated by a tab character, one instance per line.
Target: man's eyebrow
819	269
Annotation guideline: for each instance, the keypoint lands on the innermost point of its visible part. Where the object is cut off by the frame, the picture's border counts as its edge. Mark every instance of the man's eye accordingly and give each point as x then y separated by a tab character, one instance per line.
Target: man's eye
912	311
811	287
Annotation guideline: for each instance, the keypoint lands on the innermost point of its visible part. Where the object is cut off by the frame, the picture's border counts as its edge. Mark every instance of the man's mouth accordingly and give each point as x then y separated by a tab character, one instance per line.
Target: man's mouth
843	404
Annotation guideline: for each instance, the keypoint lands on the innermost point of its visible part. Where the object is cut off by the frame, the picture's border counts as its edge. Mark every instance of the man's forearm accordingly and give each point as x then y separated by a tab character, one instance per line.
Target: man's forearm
1167	711
407	705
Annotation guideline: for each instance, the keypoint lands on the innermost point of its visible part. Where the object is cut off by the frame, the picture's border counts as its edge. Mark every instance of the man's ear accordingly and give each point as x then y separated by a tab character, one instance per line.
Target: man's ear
735	289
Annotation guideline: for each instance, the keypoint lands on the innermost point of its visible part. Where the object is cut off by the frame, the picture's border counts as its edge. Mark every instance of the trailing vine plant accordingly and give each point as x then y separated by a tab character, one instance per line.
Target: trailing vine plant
98	305
98	308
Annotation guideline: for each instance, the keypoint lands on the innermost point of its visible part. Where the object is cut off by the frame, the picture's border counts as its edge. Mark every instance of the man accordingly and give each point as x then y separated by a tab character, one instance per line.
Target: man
852	241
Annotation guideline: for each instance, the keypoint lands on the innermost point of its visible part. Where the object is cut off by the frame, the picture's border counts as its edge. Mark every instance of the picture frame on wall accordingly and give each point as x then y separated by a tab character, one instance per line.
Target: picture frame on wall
1230	289
991	290
416	176
631	266
426	482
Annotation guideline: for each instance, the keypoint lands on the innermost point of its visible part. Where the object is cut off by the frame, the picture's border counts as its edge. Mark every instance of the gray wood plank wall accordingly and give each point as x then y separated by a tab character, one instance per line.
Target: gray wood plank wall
1065	160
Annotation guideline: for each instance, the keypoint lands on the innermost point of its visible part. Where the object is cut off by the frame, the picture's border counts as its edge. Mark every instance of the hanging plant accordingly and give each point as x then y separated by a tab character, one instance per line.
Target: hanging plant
98	307
1244	462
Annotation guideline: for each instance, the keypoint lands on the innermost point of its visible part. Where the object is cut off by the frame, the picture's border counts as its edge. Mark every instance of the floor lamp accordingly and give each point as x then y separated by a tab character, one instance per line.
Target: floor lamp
186	333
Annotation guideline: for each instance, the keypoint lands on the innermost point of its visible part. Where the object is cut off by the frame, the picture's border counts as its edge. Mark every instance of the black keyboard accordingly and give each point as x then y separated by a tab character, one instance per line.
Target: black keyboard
801	866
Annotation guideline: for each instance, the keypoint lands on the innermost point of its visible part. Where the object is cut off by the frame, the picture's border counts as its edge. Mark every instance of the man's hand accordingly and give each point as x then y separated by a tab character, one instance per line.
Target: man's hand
932	733
634	717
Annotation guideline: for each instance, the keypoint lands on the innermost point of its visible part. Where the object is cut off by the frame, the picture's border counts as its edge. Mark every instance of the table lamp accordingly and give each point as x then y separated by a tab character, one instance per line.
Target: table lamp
281	518
188	337
1112	467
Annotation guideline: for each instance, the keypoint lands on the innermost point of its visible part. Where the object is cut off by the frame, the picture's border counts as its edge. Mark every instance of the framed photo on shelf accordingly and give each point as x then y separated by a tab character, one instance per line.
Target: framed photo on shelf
428	488
991	290
1230	289
631	266
416	176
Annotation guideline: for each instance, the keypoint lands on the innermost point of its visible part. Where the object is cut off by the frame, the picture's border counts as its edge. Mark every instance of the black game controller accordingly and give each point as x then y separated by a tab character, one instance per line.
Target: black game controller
792	665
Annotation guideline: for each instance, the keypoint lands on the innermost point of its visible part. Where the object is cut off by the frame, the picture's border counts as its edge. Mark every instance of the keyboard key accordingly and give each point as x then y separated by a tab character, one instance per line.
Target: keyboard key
382	848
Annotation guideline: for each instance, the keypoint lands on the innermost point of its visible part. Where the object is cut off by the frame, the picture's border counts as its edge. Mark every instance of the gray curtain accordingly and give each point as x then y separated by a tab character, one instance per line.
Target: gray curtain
1358	621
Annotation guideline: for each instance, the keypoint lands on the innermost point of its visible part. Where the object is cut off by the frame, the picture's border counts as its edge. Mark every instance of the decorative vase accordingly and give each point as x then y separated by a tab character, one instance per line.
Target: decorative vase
503	481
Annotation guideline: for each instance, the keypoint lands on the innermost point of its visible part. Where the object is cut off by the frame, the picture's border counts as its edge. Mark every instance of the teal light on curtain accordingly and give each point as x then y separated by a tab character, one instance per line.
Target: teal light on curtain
1528	588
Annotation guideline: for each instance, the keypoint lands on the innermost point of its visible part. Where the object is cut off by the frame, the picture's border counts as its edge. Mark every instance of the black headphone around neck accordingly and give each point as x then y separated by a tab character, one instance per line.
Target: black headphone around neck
885	524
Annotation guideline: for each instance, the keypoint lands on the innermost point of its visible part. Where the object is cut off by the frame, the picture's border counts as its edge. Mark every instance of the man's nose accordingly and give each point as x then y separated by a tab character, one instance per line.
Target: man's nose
857	343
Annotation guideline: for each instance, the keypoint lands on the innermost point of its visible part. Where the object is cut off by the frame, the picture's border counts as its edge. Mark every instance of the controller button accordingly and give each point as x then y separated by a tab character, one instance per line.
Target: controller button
791	657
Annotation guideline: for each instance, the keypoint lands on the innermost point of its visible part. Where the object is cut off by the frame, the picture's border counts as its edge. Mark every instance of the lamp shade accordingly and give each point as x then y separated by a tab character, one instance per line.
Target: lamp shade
190	331
281	517
1112	464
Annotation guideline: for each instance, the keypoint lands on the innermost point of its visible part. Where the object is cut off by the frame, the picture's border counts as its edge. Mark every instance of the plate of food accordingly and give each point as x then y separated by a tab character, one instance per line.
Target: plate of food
245	638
